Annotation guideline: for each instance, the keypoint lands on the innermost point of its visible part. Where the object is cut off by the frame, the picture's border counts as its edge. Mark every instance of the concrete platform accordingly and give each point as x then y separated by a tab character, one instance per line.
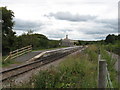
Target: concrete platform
27	56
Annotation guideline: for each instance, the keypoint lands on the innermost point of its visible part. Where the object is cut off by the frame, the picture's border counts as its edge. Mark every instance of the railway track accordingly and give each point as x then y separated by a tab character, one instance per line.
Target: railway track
52	56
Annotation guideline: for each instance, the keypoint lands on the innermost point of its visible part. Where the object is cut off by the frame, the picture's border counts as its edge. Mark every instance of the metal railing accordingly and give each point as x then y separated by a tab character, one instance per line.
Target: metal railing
19	52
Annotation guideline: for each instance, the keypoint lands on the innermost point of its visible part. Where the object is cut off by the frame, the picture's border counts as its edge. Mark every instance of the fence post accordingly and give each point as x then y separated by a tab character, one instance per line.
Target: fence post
102	82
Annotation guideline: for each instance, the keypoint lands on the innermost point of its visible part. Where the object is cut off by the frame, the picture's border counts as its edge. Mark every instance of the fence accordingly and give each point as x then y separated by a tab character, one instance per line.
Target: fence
19	52
103	74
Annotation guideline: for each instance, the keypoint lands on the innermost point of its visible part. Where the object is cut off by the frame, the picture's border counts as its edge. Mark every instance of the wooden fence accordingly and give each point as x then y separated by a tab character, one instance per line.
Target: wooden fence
103	74
19	52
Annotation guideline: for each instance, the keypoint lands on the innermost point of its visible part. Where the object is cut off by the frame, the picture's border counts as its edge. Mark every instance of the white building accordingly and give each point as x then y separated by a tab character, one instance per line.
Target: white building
67	42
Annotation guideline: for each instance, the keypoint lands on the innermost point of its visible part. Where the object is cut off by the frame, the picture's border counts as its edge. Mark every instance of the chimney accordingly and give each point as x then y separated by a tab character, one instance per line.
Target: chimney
66	36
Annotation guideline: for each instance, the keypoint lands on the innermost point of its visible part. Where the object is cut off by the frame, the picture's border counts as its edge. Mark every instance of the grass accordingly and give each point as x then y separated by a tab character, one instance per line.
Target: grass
8	62
78	71
110	66
115	48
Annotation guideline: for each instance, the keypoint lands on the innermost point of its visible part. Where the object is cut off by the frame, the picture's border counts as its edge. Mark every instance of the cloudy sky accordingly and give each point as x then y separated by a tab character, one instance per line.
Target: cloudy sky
79	19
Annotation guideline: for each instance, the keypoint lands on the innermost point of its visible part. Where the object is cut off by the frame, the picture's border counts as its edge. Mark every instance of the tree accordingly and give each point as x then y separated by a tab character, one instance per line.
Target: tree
54	43
110	39
30	32
119	37
38	41
8	36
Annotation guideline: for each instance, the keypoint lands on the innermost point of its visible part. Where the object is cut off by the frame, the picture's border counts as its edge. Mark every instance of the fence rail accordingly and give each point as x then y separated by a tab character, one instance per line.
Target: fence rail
104	80
19	52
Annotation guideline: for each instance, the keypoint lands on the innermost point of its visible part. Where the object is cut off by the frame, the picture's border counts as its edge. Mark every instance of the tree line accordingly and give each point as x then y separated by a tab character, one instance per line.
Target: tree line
110	39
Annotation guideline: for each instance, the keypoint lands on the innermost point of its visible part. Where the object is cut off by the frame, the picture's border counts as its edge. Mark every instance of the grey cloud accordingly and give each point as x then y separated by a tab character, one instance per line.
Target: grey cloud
100	2
94	32
56	36
100	37
24	25
66	30
100	31
110	24
60	33
113	28
70	17
107	26
112	21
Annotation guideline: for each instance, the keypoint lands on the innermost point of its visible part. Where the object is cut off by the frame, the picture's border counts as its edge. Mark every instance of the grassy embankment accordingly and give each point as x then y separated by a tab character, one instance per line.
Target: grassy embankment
78	71
115	47
110	65
8	62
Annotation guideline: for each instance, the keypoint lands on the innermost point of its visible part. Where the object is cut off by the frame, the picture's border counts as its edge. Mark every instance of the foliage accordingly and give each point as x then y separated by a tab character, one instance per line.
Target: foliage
8	62
8	36
115	48
53	43
110	38
36	40
80	42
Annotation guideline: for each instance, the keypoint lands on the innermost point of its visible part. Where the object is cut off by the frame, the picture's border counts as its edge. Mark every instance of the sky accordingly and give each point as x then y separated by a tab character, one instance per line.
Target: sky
79	19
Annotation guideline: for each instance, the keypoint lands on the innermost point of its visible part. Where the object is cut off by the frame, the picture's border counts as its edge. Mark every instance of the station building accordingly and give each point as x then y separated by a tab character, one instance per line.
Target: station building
67	42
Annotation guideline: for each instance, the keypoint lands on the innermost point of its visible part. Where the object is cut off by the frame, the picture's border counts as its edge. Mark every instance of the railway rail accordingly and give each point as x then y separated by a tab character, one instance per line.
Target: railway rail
49	57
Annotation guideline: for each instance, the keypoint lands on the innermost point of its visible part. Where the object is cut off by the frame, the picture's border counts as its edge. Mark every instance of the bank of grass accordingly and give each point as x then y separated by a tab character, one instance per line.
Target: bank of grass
110	65
115	47
78	71
8	62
